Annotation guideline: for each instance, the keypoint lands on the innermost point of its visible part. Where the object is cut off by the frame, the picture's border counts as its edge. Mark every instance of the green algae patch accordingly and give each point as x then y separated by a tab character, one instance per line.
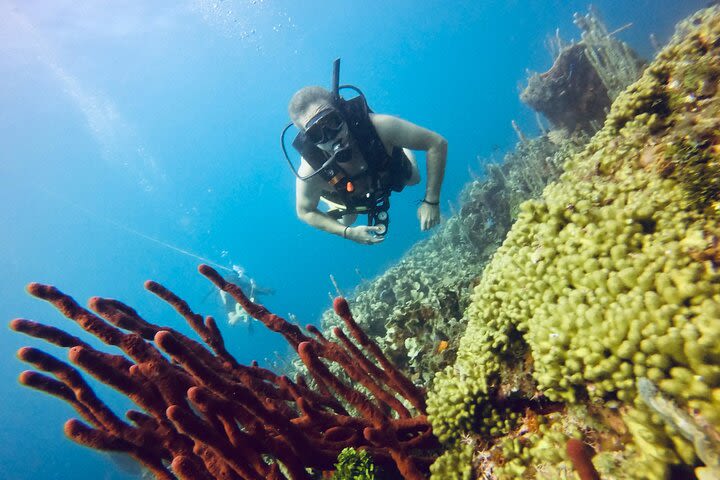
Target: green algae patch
354	465
611	276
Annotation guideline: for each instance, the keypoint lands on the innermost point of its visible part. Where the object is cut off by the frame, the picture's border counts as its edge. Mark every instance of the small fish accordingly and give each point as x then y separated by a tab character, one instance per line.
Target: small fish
442	346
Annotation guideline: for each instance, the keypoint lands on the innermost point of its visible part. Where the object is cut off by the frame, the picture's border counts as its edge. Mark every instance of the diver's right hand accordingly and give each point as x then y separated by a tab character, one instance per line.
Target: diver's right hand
365	235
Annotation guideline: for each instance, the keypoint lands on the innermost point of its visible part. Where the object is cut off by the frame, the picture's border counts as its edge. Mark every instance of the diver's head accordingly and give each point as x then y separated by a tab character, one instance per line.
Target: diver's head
308	101
313	112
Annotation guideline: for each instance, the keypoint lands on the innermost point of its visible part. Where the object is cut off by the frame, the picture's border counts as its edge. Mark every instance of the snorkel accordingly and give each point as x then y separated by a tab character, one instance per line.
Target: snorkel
336	80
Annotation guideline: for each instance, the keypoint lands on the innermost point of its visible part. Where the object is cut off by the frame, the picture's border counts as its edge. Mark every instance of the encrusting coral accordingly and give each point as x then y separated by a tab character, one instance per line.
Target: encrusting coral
611	276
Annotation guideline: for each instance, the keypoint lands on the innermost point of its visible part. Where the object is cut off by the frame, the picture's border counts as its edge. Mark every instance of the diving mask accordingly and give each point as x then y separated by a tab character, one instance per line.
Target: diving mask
325	127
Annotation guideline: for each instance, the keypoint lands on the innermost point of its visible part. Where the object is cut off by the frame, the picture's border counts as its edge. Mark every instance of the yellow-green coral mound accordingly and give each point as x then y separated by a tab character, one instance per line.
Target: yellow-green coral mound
613	274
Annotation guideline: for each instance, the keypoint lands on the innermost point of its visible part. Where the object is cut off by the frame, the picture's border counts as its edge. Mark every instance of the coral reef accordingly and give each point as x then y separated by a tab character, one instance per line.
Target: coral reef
203	415
704	439
576	92
611	276
422	299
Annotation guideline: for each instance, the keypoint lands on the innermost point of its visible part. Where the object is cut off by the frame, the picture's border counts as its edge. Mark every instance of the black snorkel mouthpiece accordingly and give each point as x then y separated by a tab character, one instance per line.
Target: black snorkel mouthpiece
342	153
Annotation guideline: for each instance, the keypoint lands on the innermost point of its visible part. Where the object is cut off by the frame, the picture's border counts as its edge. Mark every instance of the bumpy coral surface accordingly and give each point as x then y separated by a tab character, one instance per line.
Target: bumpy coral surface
421	300
611	276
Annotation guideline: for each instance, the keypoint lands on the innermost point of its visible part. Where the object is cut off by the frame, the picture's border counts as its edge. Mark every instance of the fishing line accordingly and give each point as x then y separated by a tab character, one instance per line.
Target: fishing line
130	230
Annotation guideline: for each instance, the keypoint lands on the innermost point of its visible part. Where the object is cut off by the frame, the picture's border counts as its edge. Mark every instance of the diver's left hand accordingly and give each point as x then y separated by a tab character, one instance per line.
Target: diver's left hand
429	215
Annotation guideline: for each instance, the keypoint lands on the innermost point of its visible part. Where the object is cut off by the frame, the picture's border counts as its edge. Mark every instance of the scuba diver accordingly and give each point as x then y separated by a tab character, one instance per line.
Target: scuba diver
352	159
235	313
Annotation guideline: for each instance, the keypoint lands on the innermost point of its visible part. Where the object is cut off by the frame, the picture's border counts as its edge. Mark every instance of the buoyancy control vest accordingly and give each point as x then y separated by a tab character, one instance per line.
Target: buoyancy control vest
370	188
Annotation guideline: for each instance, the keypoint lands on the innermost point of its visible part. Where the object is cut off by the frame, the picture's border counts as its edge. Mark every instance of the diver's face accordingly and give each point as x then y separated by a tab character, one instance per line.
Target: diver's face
324	126
339	140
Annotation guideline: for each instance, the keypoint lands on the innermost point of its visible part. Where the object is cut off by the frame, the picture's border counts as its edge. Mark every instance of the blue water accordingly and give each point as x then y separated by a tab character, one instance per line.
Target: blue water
125	120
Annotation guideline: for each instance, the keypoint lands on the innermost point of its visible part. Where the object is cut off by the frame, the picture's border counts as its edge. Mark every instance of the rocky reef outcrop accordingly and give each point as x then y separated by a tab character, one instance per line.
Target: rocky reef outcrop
585	78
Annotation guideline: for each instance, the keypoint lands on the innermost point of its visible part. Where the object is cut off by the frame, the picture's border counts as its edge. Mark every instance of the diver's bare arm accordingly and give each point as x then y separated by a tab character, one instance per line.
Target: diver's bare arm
401	133
307	198
321	221
436	160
